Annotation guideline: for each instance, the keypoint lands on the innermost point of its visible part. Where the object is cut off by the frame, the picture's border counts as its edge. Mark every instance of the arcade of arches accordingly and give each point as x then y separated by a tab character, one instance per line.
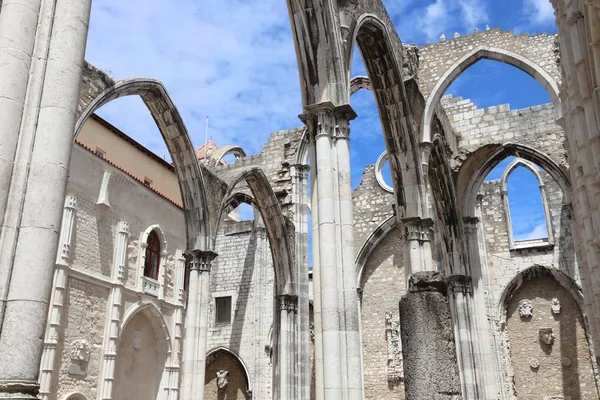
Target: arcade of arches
420	287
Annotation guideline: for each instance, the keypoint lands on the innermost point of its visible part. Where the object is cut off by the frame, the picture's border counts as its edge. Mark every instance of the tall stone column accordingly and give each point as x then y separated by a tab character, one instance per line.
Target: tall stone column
57	300
287	381
114	314
38	182
334	263
299	174
196	324
430	360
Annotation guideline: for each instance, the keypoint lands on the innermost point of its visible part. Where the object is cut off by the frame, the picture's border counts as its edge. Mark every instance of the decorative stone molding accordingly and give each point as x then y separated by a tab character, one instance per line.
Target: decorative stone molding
460	283
288	303
546	336
103	194
525	308
68	222
418	229
395	366
555	306
200	260
222	379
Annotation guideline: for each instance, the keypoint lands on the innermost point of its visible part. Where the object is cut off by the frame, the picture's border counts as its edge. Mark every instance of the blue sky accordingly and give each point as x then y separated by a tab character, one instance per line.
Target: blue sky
234	61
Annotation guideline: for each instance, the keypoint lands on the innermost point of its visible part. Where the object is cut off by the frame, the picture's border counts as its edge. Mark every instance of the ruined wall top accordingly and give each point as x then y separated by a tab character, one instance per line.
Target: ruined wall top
435	59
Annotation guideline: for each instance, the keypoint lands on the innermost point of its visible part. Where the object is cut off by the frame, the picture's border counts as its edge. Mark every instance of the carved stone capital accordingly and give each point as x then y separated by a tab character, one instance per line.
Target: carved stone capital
460	283
418	229
327	119
200	260
288	303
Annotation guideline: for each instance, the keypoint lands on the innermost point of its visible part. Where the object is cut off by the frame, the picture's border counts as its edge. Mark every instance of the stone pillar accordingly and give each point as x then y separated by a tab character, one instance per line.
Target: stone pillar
430	365
287	381
299	174
18	29
460	294
38	182
177	341
57	300
486	351
196	324
334	263
114	313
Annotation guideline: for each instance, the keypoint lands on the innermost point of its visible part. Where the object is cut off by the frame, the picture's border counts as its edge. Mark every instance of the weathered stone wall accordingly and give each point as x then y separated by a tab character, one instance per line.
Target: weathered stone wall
383	284
476	127
435	59
94	82
244	270
564	368
83	318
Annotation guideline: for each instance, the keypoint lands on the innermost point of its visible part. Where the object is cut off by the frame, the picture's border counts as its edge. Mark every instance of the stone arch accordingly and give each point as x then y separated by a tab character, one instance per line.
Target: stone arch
479	163
218	349
370	245
399	129
175	135
74	396
519	343
517	162
143	352
222	357
358	83
275	225
221	152
302	153
490	53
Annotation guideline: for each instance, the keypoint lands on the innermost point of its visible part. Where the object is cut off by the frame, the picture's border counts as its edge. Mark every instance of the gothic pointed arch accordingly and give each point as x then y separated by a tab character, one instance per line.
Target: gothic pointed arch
176	137
479	53
275	223
221	152
399	129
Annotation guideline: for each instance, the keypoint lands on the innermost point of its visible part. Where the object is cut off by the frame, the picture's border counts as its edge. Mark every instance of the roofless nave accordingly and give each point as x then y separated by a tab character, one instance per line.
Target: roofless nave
111	288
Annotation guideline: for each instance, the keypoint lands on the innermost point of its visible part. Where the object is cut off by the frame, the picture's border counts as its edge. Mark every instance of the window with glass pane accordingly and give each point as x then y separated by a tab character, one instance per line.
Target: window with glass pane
223	310
152	256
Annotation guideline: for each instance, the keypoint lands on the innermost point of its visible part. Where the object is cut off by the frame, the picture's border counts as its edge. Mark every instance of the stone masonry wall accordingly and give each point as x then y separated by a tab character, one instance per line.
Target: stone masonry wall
435	59
564	368
476	127
244	270
383	284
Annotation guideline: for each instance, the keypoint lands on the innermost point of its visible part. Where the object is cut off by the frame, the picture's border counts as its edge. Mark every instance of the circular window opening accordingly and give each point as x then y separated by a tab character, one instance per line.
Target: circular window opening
383	173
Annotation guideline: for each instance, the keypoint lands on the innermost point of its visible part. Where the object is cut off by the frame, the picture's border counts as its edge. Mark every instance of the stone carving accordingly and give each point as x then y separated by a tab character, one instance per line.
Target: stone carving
80	355
395	368
137	339
555	306
456	35
534	363
566	362
222	379
442	37
525	308
80	351
546	336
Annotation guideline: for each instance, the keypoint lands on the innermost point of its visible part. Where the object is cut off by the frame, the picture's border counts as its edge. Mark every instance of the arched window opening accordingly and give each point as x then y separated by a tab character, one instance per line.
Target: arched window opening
501	84
243	212
366	127
152	261
525	206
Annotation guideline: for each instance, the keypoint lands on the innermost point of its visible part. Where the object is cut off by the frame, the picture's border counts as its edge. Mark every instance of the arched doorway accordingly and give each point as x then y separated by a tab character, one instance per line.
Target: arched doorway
226	377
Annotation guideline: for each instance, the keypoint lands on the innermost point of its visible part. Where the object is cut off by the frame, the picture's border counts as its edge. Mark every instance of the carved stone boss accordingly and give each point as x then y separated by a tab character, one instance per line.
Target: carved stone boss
525	308
555	306
80	355
546	336
395	368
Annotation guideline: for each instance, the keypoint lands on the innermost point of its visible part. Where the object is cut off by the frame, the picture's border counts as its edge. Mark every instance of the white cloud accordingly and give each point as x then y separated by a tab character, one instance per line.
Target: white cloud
538	232
449	16
229	59
539	12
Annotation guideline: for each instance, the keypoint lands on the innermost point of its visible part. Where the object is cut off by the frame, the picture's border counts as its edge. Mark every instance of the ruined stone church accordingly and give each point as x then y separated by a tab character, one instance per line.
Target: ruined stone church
123	276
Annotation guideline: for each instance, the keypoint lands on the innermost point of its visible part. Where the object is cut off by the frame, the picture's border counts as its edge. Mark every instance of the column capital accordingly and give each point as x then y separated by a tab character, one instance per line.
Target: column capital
460	283
326	119
470	225
419	229
288	303
300	170
200	260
